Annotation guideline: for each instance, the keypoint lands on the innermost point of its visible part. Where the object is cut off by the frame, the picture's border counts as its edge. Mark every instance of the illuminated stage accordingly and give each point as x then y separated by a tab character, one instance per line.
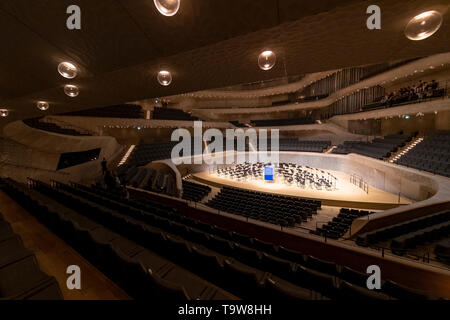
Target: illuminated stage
344	194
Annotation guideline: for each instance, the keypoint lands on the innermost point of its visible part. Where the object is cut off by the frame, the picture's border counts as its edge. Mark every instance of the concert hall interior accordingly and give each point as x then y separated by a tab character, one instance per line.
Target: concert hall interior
273	150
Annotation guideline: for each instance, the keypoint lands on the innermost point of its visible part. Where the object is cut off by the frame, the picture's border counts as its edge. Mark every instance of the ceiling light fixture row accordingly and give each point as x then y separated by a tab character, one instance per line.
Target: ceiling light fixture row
420	27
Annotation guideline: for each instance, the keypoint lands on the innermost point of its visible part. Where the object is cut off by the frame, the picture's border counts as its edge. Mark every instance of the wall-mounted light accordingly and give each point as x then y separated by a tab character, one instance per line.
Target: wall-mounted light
42	105
4	113
267	60
68	70
423	25
71	90
164	78
167	7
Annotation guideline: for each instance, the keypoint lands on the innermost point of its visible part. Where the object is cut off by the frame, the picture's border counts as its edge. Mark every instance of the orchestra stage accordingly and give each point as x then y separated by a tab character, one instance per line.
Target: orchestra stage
345	195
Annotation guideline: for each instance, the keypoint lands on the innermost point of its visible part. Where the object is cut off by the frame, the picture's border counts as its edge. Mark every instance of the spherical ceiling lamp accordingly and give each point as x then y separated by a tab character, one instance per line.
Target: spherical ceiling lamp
42	105
4	113
423	25
67	70
167	7
164	78
267	60
71	90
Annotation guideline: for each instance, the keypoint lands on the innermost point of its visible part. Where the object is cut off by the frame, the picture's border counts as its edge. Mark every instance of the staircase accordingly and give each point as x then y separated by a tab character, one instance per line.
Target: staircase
397	155
330	149
211	195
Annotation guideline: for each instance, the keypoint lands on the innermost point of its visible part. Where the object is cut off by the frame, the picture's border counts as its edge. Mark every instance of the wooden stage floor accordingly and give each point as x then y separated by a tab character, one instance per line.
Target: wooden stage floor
346	195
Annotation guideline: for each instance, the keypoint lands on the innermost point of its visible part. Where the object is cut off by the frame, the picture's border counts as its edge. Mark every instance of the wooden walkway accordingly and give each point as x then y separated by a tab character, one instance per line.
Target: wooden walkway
54	256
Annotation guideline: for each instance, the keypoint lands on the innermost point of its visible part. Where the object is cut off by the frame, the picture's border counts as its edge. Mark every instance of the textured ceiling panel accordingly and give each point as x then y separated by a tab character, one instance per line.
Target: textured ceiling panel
208	44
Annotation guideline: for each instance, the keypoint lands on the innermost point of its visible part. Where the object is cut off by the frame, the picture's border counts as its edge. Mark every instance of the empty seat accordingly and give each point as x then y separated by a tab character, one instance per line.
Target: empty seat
277	266
348	291
314	280
403	293
21	277
320	265
167	290
280	291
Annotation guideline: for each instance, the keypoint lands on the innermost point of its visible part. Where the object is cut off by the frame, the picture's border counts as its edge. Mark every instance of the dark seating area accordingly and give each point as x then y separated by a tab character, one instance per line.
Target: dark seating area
409	234
432	154
20	275
149	179
128	111
120	232
293	144
379	148
340	224
276	209
141	273
148	152
51	127
194	191
171	114
282	122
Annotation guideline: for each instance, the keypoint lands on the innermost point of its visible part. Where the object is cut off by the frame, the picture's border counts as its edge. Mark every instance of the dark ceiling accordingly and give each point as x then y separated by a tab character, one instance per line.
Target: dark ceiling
208	44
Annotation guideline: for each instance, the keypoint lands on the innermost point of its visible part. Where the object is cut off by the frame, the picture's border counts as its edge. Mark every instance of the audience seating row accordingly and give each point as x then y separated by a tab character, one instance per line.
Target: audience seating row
292	144
243	249
149	179
276	209
432	154
20	275
156	233
141	273
410	233
195	245
127	111
268	256
194	191
51	127
378	148
340	224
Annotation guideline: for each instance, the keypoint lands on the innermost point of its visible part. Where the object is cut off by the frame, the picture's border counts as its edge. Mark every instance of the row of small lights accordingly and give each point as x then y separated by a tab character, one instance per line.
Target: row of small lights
420	27
127	155
415	143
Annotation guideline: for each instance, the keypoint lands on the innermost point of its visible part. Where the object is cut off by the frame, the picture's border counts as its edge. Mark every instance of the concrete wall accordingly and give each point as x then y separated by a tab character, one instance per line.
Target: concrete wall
38	153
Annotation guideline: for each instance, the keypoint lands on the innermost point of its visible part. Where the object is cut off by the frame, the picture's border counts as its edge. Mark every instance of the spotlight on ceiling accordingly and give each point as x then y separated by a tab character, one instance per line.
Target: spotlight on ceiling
423	25
42	105
71	90
67	70
267	60
164	78
167	7
4	113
